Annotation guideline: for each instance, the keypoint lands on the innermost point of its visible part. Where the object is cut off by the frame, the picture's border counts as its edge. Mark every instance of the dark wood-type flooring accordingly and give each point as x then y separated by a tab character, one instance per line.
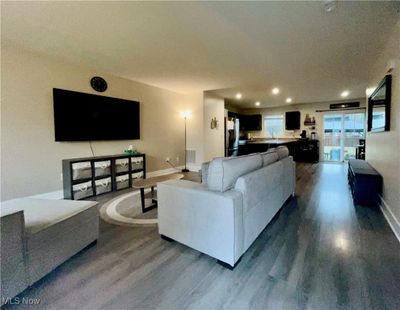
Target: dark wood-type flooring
319	252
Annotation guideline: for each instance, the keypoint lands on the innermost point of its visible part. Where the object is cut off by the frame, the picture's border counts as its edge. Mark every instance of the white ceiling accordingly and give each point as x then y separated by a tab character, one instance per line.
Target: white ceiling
249	47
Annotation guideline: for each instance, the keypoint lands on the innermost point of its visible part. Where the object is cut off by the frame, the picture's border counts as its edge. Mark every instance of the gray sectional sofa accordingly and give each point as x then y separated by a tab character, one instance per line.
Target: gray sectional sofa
225	214
37	235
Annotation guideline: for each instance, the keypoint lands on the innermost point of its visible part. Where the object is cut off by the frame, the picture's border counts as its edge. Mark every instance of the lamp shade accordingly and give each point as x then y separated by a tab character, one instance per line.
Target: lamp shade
186	114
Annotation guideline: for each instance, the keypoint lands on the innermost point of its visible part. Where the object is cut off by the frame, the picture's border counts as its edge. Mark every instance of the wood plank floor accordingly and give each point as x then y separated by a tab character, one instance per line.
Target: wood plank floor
319	252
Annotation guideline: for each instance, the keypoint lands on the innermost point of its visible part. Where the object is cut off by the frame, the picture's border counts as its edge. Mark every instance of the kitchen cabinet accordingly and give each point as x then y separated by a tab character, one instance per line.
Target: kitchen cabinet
248	122
251	122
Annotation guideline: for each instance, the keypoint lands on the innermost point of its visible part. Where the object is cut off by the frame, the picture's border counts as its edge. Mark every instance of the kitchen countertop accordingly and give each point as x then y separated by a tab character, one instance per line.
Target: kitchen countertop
267	141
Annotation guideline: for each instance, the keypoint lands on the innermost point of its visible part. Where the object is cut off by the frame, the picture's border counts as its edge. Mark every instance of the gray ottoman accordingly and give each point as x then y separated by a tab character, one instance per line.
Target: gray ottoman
42	234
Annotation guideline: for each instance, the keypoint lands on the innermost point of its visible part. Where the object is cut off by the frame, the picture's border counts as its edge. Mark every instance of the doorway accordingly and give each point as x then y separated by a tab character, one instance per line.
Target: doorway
342	134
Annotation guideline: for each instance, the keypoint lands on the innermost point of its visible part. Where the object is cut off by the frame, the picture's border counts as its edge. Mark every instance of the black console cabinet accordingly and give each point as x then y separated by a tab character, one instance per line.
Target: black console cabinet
92	176
365	183
307	151
303	150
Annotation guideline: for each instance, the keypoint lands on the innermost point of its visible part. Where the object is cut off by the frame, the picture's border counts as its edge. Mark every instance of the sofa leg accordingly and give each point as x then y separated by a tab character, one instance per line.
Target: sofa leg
227	266
166	238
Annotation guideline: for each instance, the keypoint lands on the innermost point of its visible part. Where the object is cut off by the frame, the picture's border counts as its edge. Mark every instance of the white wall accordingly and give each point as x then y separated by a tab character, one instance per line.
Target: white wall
383	149
213	138
195	132
31	159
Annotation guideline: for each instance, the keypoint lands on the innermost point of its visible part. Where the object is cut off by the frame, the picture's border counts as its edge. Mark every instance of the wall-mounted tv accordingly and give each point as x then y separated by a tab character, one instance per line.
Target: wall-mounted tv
292	120
85	117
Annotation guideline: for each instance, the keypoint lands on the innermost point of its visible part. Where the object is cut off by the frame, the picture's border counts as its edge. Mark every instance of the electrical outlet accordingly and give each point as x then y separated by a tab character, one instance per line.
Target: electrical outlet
177	159
167	159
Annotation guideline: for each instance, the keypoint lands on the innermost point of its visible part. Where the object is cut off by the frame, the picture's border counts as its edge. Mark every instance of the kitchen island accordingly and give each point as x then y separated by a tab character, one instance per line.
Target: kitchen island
262	145
301	149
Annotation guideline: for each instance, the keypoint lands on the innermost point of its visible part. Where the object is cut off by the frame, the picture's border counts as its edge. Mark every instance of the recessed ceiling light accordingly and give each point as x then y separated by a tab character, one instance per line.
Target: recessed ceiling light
275	90
345	93
238	96
288	100
257	103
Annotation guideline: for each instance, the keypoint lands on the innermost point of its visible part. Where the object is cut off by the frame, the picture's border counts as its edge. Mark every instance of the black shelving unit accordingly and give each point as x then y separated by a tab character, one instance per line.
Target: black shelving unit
92	176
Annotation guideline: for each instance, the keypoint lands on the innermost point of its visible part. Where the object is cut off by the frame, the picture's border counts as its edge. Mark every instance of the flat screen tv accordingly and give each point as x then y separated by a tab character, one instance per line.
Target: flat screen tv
292	120
85	117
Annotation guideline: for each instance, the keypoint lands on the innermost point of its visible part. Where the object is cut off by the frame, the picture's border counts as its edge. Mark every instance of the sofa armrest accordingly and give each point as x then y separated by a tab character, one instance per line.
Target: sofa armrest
13	268
204	172
210	222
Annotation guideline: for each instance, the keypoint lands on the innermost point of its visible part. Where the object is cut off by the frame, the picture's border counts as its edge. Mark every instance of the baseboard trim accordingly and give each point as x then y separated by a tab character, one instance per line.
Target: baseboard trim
194	167
390	218
163	172
190	167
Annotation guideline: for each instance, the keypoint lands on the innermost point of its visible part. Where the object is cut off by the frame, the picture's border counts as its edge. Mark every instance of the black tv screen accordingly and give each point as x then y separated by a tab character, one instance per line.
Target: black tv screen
292	120
85	117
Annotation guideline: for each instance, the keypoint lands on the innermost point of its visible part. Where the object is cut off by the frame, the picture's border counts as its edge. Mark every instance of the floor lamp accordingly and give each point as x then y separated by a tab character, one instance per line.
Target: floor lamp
185	116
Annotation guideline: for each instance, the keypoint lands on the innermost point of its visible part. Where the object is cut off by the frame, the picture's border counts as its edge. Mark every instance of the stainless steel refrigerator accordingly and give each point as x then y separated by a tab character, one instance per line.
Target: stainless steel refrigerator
232	127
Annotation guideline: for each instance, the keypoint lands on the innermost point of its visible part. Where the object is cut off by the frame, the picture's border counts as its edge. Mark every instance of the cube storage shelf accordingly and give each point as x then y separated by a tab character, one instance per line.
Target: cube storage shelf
92	176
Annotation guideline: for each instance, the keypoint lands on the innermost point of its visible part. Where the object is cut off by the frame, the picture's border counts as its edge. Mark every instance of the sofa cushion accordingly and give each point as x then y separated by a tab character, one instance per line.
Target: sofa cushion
282	151
269	157
223	172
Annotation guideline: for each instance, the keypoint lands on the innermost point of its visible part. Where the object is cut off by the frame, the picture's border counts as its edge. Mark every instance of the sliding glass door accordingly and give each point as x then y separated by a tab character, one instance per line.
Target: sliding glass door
333	125
342	134
354	130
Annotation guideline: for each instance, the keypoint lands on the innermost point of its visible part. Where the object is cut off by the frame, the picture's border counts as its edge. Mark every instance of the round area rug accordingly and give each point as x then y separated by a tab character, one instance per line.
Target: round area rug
126	210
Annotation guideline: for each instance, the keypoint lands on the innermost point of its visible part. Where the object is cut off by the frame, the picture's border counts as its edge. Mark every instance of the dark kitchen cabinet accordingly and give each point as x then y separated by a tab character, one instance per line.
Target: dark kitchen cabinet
248	122
307	151
251	122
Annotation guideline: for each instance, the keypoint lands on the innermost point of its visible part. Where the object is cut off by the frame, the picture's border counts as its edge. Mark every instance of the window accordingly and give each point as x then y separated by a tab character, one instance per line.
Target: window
273	125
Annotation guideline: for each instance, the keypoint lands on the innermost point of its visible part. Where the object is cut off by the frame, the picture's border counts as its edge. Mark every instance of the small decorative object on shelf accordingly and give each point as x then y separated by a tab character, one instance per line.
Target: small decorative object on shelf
313	136
131	151
360	150
309	121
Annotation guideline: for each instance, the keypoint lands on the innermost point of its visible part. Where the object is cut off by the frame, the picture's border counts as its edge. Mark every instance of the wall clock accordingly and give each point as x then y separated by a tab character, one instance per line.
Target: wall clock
98	83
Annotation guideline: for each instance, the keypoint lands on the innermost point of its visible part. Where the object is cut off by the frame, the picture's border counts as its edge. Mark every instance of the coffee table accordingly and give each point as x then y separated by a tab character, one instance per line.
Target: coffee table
151	183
